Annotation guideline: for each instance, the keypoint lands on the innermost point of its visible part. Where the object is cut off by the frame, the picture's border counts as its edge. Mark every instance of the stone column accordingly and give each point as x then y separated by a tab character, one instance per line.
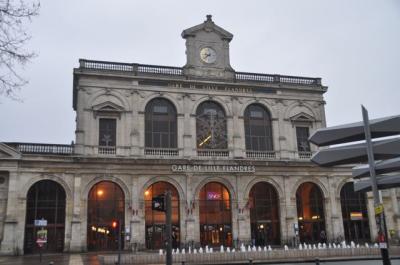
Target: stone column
189	127
239	145
335	229
137	222
192	224
396	211
288	212
76	234
14	224
243	224
136	123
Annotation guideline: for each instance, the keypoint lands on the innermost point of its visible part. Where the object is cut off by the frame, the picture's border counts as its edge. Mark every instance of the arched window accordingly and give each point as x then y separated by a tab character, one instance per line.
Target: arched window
310	213
264	214
45	200
160	124
215	215
155	220
355	214
106	212
211	126
258	128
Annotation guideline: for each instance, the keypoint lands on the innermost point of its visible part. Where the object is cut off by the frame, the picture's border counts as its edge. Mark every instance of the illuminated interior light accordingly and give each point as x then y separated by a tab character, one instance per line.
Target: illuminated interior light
300	218
261	226
220	229
100	192
205	140
314	217
146	192
94	228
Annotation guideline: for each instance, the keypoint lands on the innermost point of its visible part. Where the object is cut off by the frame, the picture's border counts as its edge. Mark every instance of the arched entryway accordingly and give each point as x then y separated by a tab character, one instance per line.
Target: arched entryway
264	214
106	212
215	215
310	213
46	200
354	214
155	220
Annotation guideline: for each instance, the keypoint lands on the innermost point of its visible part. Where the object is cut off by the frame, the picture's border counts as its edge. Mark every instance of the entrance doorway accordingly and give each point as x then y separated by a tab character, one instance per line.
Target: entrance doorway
354	214
264	215
310	213
155	220
106	212
215	215
45	200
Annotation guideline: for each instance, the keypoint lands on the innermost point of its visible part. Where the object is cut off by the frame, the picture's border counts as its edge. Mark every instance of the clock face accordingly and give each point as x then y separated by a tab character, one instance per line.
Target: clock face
208	55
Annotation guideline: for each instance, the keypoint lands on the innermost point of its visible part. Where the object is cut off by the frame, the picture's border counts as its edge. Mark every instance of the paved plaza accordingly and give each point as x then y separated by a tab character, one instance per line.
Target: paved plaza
91	259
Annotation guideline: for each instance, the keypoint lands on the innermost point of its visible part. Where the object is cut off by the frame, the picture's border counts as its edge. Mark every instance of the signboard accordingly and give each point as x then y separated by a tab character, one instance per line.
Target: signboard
213	168
41	237
356	216
158	204
213	195
40	222
378	209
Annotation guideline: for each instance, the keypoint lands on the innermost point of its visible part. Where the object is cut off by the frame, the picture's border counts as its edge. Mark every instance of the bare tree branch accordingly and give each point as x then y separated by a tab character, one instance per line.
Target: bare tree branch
13	37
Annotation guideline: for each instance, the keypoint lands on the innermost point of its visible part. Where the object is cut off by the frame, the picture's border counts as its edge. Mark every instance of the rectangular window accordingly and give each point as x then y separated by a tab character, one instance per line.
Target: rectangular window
107	132
302	134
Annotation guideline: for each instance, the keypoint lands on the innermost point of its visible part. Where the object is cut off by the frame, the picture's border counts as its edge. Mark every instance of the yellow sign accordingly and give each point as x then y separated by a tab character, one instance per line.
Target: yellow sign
378	209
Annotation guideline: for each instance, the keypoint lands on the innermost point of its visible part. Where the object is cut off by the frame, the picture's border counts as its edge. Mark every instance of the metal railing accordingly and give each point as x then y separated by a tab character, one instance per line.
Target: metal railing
161	152
47	149
261	154
178	71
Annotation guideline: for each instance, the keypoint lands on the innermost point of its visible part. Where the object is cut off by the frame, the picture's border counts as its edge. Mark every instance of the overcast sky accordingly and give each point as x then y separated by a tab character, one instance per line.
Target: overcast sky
354	46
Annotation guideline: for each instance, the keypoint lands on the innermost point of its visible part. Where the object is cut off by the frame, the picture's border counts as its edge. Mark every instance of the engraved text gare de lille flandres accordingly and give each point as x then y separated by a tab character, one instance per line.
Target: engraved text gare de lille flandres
212	168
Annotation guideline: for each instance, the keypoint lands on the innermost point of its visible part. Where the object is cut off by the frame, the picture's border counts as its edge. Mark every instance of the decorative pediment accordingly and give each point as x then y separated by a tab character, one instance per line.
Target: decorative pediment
208	26
302	117
107	108
7	152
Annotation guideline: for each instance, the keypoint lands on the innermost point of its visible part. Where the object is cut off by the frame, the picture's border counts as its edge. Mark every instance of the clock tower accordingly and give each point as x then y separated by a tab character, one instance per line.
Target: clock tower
207	51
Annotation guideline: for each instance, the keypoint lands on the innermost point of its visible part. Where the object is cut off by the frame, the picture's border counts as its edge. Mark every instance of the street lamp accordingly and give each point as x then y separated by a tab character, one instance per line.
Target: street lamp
114	225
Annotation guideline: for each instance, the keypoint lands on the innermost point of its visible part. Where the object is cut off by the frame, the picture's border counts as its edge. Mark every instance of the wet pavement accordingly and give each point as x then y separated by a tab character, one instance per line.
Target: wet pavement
63	259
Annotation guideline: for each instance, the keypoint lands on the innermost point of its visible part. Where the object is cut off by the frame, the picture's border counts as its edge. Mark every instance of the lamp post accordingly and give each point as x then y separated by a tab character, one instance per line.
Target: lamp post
114	225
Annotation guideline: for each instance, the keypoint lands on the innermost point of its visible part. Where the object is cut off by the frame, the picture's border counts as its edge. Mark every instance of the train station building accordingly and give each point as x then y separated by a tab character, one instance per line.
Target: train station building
231	147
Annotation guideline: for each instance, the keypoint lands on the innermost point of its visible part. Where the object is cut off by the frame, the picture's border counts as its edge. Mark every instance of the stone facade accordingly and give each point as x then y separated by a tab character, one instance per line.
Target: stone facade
122	91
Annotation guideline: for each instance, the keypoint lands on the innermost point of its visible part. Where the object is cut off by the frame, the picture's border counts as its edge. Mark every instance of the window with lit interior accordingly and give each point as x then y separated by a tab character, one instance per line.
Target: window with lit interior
211	126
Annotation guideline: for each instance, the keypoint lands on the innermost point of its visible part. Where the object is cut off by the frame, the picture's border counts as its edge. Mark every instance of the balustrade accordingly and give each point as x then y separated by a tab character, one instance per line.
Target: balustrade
261	154
178	71
161	152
